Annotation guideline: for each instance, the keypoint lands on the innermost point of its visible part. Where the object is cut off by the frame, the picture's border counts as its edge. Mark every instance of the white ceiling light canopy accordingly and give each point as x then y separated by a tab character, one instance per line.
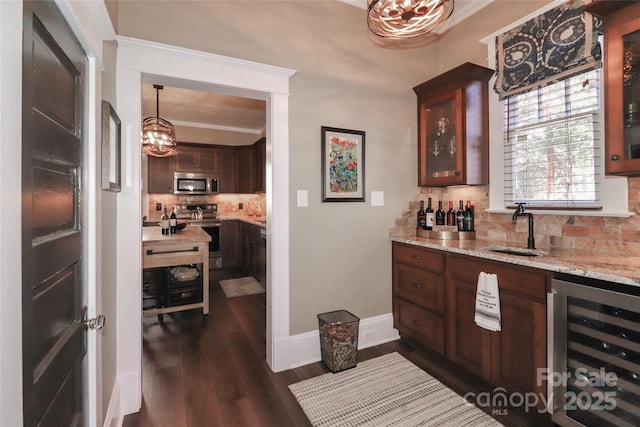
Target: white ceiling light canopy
401	19
158	134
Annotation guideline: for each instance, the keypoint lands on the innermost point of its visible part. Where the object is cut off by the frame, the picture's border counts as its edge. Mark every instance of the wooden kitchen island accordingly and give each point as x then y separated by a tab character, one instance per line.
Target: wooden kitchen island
188	246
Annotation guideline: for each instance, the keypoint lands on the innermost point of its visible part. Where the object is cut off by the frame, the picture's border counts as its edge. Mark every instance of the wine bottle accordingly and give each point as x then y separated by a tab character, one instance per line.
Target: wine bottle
173	221
440	214
422	218
451	214
460	216
429	219
164	222
468	217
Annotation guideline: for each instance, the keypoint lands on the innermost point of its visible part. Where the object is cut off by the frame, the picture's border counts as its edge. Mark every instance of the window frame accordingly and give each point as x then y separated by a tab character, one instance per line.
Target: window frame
614	192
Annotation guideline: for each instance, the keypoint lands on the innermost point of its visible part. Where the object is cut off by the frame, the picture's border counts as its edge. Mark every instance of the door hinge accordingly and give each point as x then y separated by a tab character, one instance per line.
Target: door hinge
95	323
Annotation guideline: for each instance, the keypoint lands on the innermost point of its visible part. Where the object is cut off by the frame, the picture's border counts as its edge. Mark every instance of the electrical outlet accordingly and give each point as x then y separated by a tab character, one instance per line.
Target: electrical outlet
158	206
368	335
240	205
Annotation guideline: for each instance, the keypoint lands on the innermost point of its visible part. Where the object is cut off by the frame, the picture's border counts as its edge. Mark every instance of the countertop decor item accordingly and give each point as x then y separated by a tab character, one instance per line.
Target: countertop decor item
342	165
158	134
406	19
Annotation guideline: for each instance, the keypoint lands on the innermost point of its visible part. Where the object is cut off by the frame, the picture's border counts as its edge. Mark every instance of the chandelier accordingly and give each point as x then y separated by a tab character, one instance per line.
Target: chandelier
400	19
158	135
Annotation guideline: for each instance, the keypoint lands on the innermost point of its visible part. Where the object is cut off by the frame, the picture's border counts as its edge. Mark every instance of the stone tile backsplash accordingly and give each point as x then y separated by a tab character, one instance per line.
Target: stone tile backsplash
228	204
604	235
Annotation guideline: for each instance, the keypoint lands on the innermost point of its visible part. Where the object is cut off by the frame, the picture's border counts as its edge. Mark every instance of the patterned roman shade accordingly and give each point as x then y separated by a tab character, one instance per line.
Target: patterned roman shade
556	45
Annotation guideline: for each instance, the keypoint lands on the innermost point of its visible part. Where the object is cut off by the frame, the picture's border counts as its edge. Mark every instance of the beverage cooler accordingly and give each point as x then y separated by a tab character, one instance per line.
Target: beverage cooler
594	352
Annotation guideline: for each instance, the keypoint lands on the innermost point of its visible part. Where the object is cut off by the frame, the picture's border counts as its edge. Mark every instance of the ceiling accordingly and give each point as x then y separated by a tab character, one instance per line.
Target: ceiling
213	118
207	118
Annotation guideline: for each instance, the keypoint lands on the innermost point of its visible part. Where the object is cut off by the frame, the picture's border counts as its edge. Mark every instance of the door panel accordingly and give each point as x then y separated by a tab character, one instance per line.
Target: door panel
52	241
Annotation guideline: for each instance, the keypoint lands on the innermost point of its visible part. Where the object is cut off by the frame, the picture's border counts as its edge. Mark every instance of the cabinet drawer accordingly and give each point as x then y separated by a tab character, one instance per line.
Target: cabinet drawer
425	327
420	287
419	257
517	280
162	254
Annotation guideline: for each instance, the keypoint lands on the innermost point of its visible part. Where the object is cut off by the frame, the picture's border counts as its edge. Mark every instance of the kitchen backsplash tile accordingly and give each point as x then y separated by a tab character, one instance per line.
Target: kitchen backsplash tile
228	204
602	235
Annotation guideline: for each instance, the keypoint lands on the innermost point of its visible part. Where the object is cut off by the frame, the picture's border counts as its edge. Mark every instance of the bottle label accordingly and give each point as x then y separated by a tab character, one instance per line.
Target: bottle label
430	219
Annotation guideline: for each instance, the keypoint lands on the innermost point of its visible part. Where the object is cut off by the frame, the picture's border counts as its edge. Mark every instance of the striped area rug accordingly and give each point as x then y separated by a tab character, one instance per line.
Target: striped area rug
386	391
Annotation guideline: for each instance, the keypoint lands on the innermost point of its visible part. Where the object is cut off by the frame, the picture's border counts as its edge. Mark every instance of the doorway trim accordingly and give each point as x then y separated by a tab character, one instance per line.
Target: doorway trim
141	60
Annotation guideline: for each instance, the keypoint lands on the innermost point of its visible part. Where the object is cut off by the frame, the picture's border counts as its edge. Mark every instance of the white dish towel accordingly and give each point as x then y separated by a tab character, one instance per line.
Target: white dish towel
488	302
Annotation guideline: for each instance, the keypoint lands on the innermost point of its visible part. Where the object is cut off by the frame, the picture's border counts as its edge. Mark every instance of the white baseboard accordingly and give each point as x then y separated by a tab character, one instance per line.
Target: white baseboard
113	417
305	348
130	388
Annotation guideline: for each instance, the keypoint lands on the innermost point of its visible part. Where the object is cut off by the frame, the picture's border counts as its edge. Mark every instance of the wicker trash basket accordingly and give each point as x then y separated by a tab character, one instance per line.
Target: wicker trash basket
339	339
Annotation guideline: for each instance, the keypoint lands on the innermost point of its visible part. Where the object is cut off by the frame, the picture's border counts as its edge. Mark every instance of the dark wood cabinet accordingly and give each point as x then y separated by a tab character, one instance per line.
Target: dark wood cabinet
253	251
239	169
511	357
230	243
227	162
419	295
196	159
160	175
245	161
434	295
260	173
622	85
453	127
468	345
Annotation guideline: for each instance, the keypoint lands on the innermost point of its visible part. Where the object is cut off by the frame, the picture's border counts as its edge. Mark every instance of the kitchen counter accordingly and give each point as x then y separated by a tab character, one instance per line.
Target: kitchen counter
619	269
259	221
153	234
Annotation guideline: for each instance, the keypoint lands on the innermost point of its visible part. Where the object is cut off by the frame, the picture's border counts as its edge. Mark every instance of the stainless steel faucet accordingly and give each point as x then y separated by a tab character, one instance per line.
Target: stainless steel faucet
520	211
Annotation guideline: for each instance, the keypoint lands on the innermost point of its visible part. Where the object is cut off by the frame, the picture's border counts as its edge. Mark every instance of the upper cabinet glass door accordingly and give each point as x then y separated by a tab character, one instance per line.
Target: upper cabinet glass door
631	94
442	139
622	85
453	127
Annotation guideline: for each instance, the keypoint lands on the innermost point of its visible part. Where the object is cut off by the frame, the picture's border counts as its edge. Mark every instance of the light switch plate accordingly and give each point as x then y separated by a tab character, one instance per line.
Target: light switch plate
377	198
303	198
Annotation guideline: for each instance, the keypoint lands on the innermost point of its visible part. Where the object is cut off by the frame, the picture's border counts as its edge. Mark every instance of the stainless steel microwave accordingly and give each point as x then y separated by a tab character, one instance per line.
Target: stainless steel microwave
194	183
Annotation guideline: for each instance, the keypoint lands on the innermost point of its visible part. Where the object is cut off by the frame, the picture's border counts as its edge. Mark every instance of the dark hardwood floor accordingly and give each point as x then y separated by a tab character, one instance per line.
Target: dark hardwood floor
212	372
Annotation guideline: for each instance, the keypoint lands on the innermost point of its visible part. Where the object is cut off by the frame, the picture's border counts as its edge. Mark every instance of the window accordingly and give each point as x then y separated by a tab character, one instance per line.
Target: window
552	145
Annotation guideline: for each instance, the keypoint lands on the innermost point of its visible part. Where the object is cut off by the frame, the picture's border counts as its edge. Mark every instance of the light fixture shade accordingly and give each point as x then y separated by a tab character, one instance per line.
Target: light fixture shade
398	19
158	137
158	134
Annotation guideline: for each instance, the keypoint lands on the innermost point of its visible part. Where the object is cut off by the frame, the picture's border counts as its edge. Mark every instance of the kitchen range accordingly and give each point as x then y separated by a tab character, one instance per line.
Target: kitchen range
206	217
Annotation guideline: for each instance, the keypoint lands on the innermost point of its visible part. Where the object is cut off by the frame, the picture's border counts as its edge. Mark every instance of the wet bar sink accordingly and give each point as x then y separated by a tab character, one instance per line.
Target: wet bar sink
515	251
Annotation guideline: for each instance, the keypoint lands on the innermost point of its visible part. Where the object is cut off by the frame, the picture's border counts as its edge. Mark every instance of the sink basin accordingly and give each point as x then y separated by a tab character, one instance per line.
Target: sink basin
515	251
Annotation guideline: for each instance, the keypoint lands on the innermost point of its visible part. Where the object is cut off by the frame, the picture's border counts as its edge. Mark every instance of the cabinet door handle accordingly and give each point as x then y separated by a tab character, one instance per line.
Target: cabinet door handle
152	252
416	323
417	285
615	157
418	257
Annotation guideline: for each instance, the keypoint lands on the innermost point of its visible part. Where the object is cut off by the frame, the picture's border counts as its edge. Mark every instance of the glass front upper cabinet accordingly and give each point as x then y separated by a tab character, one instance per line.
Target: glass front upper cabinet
453	122
622	85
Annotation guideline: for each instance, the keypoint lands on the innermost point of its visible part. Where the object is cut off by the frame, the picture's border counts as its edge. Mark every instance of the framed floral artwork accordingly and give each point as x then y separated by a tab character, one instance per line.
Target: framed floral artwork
342	165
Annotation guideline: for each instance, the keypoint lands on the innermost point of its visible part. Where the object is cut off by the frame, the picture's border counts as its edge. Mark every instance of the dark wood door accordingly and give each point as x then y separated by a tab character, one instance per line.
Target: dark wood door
519	349
244	170
52	242
468	345
160	175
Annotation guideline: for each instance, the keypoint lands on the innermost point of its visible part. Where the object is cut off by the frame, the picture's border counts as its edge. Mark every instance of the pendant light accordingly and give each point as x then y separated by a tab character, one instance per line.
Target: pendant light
401	19
158	135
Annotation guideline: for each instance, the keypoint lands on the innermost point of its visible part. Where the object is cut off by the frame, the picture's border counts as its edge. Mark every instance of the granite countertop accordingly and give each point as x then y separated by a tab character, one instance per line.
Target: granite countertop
619	269
260	221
